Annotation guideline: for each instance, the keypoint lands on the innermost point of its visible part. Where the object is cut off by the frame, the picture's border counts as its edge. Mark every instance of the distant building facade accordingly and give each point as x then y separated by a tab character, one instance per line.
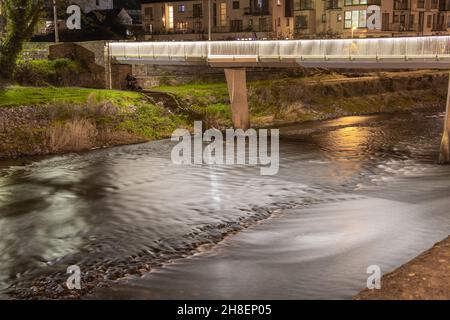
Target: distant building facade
350	17
281	19
230	19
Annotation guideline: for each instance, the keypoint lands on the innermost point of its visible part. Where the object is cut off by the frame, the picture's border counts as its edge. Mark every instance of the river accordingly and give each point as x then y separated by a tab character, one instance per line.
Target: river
350	193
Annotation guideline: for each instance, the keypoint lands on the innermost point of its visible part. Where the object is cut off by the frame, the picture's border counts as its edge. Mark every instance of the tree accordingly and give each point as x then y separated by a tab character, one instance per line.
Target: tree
22	17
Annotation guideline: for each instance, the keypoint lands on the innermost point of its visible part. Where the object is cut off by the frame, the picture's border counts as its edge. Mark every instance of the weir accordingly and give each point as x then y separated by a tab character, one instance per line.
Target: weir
432	52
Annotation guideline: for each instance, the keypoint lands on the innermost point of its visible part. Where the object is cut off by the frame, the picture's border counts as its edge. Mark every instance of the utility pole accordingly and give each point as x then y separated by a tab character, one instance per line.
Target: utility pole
55	19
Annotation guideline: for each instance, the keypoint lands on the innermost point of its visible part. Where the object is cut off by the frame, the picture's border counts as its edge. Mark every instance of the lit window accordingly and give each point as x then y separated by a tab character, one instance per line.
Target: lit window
170	17
223	14
181	8
355	19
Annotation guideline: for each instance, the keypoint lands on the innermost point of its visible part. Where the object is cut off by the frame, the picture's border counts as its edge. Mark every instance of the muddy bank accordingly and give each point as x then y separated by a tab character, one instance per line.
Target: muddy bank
426	277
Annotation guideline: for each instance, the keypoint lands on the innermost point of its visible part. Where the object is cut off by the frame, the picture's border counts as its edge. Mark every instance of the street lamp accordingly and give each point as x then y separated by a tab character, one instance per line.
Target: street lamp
55	19
353	29
209	20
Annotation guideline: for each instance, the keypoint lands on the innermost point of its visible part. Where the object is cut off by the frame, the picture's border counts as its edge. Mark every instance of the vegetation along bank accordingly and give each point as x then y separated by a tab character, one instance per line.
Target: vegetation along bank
49	120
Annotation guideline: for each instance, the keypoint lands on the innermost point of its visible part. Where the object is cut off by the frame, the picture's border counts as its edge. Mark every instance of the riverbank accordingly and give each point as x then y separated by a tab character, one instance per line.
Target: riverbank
51	120
426	277
284	101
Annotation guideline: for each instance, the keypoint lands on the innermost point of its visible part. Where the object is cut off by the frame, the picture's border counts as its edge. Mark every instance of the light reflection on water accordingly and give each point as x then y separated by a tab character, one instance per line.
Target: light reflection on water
360	190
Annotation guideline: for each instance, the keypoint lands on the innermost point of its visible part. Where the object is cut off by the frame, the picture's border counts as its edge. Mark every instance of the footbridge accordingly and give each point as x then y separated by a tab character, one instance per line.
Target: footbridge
234	56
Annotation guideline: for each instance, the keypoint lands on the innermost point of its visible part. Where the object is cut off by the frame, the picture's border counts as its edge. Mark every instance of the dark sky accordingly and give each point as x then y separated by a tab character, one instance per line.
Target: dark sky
128	4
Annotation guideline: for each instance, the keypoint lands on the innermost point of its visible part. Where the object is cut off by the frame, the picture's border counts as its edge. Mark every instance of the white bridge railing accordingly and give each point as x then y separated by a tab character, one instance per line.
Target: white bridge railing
433	48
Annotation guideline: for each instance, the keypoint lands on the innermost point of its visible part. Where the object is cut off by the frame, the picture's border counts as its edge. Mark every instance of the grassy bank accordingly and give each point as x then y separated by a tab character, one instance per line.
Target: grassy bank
26	96
35	121
288	100
44	120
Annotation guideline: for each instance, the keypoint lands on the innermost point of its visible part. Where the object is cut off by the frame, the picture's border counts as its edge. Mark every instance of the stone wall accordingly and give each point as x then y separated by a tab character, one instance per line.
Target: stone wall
89	58
119	75
151	75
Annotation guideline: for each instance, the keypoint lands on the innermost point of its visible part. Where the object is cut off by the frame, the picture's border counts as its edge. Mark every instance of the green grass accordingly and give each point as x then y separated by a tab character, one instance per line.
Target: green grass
17	96
201	93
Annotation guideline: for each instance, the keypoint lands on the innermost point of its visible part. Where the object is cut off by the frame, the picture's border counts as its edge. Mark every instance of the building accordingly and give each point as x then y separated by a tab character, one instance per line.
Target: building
91	5
230	19
349	18
280	19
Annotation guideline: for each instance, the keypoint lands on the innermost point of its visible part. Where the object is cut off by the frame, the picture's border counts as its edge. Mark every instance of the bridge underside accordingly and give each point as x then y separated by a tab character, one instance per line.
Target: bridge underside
374	63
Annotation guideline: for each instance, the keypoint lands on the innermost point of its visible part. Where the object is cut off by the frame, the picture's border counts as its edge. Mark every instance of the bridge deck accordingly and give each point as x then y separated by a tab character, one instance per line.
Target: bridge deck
386	53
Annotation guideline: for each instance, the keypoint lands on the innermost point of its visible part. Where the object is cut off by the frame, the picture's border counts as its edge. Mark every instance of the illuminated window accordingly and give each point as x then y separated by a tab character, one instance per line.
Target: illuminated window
181	8
362	18
223	14
355	19
170	21
182	26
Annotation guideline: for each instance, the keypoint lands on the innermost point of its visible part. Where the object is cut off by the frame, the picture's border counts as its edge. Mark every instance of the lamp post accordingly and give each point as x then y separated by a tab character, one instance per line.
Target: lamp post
55	19
209	20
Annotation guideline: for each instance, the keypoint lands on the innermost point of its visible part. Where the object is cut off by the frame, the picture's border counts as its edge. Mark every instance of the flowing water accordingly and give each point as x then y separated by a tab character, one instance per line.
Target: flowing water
350	193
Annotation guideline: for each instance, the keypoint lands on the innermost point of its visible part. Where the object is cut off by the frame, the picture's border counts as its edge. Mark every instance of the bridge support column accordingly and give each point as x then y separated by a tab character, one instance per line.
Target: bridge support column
444	156
237	89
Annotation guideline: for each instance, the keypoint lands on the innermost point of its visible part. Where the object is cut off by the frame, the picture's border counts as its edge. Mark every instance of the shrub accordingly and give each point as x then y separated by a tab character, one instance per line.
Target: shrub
59	72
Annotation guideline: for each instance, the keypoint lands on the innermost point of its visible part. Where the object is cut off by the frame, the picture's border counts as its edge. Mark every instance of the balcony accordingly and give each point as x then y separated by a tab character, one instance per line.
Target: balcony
334	4
444	5
400	27
401	5
439	27
300	5
256	12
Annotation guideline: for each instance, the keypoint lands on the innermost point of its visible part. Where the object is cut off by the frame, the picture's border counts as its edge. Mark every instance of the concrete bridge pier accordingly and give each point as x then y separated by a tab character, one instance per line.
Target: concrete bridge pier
444	156
237	89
